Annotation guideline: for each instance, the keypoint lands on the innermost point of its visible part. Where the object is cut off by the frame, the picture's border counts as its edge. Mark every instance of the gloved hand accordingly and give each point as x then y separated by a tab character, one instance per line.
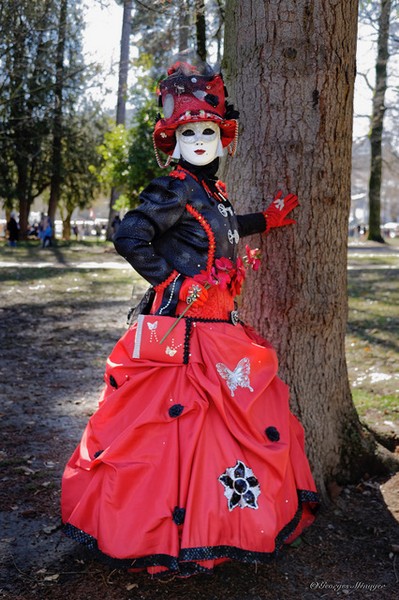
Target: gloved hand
192	291
276	213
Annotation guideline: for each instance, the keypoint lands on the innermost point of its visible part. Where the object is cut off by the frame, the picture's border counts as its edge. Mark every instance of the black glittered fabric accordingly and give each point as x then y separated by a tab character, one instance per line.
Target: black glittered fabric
178	515
186	563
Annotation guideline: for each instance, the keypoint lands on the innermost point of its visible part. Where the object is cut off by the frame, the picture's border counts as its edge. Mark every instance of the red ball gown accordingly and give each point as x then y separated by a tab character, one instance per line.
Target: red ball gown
193	456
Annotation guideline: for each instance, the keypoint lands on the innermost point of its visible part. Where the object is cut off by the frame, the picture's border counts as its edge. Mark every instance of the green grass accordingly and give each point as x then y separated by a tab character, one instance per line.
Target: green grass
61	252
372	345
386	406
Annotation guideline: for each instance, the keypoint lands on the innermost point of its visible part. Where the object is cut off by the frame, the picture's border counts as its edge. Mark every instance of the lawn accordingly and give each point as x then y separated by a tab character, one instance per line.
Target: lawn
64	273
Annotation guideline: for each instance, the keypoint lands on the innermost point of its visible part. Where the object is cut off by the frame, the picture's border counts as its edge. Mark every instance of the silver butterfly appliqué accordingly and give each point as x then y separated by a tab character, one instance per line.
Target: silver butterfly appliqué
237	378
153	331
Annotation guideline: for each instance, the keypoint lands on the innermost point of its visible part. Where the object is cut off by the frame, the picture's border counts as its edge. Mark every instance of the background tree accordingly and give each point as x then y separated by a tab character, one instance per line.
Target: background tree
200	26
122	93
25	105
43	80
291	72
184	26
160	30
377	119
128	162
378	16
56	166
82	135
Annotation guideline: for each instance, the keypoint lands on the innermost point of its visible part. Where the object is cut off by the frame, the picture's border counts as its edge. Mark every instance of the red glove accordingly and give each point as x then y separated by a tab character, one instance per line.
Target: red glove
192	291
276	213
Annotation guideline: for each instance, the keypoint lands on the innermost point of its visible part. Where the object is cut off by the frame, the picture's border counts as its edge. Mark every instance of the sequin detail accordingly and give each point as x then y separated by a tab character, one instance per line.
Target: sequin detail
237	378
153	331
241	487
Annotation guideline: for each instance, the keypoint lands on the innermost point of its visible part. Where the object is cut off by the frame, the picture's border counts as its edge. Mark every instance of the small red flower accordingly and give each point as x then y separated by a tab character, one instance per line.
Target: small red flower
206	279
238	279
224	264
240	270
229	275
252	258
223	278
224	271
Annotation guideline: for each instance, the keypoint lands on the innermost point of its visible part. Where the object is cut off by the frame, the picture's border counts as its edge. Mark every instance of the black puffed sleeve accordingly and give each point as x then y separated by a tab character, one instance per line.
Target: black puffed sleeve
251	223
162	204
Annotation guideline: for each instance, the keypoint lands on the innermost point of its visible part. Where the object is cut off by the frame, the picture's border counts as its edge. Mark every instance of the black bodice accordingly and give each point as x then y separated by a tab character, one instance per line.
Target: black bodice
172	228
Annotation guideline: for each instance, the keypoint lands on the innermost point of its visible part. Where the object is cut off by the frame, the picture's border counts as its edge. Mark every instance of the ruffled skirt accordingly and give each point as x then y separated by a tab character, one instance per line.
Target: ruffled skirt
184	466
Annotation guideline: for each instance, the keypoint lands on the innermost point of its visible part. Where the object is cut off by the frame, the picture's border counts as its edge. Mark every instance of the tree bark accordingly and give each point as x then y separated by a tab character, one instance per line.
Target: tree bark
184	26
377	123
66	227
122	93
290	70
56	168
219	33
200	26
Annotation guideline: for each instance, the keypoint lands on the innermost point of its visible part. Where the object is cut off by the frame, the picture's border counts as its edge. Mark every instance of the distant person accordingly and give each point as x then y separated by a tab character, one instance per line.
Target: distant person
34	231
13	231
46	233
75	230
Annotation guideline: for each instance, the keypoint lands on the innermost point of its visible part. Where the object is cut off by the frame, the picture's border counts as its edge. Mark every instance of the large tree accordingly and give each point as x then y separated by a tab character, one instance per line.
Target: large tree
56	162
123	72
42	81
290	69
377	122
82	134
25	113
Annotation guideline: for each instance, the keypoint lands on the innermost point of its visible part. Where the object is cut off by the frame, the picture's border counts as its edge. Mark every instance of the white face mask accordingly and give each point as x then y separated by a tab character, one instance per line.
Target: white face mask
198	143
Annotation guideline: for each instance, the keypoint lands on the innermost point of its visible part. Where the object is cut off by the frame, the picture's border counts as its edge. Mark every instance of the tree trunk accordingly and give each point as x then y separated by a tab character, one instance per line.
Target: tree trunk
184	26
56	167
66	227
122	93
22	195
377	119
200	26
219	33
290	71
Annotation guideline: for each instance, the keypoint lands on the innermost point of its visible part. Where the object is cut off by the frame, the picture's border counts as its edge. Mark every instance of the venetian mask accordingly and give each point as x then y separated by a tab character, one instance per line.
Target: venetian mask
198	143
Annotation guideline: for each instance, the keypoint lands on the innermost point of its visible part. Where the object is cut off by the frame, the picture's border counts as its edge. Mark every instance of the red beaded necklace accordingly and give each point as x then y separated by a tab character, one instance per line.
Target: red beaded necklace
180	173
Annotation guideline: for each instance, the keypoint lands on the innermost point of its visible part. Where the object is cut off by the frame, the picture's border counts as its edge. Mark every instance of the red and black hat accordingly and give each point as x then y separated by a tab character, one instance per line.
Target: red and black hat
189	95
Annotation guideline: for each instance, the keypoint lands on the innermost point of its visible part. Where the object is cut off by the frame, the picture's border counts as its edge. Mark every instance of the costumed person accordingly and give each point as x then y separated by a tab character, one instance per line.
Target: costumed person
193	457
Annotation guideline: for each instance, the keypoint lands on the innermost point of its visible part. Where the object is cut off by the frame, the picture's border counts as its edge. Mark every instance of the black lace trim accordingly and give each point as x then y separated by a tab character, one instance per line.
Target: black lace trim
179	564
